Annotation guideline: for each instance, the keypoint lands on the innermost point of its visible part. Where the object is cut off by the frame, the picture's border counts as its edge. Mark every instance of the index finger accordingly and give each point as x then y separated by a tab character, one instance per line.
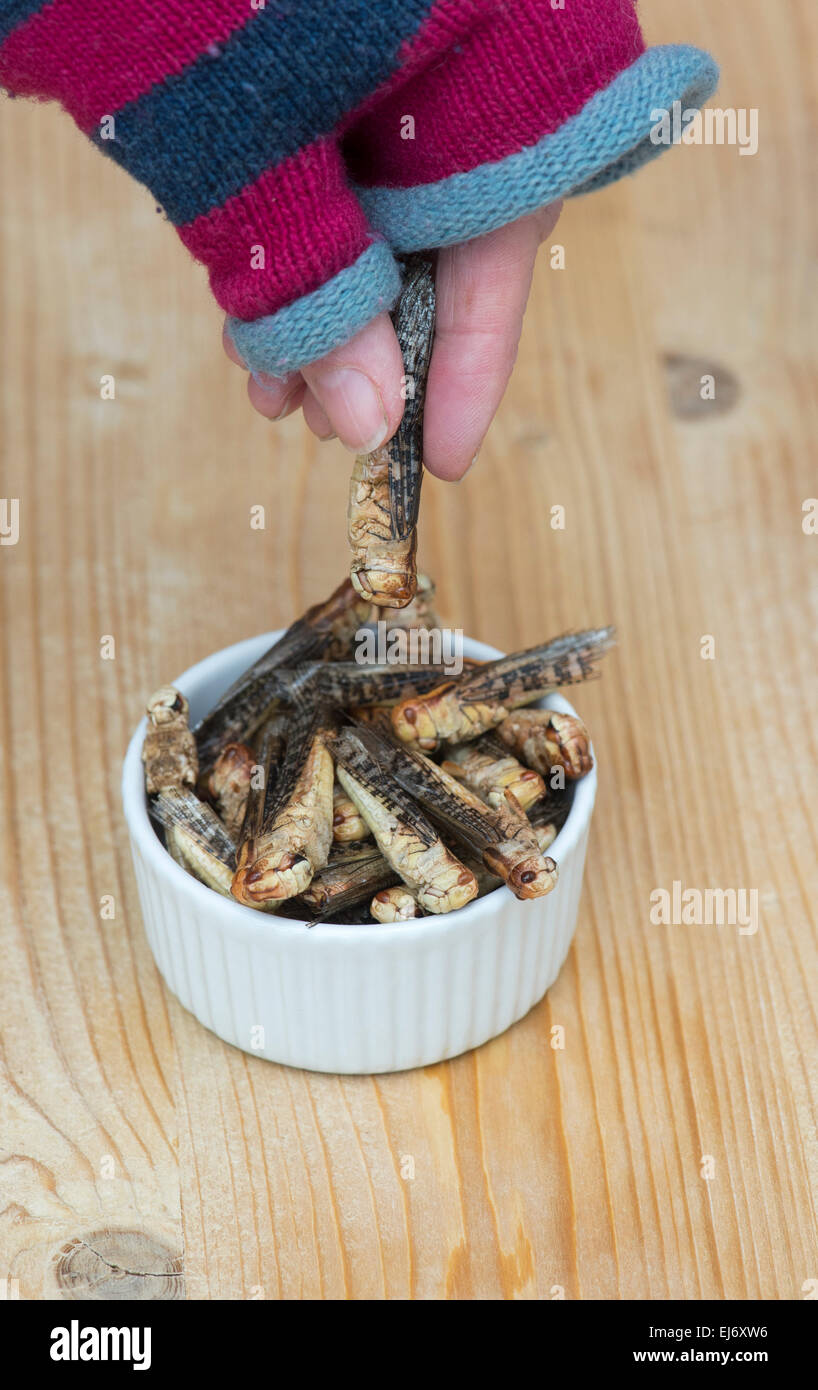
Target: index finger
482	289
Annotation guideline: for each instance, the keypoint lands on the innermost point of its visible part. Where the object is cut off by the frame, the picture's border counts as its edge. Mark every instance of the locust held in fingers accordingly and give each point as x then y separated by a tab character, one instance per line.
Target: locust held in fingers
404	835
169	749
288	837
481	699
325	631
384	496
503	835
546	738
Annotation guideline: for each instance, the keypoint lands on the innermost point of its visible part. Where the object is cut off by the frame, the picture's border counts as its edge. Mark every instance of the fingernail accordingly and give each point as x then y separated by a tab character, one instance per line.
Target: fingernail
467	470
354	405
280	389
285	409
273	384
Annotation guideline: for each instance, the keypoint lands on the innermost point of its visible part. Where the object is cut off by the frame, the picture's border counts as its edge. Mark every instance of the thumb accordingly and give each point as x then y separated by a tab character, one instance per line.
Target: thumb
358	386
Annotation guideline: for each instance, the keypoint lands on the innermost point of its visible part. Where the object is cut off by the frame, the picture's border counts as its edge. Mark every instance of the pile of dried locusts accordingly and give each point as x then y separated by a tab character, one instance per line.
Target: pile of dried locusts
326	788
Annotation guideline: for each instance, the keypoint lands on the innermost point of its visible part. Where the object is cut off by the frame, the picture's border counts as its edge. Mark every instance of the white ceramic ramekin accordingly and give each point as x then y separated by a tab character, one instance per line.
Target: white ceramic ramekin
348	998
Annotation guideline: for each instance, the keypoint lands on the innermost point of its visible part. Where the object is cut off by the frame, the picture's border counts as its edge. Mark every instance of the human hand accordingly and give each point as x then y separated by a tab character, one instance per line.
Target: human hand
354	392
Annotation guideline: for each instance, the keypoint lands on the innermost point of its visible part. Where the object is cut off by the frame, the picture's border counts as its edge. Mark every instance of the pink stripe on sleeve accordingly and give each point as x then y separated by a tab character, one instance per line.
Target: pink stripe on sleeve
95	55
447	24
282	236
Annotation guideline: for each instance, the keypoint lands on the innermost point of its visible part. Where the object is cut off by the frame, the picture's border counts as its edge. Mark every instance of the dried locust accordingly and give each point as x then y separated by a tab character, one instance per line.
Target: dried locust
169	749
348	879
503	835
394	905
490	771
546	738
481	699
289	838
202	844
229	784
347	822
402	832
287	833
350	683
420	613
384	496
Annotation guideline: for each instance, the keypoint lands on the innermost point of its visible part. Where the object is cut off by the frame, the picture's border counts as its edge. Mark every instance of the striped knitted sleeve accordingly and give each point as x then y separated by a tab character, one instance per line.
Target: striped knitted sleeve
231	112
547	99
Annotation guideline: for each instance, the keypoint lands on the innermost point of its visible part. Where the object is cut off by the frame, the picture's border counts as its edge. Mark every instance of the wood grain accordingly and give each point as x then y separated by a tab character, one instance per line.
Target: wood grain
134	1144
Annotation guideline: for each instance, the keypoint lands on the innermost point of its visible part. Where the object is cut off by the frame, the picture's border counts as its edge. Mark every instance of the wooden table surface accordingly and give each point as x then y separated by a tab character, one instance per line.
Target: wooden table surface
670	1148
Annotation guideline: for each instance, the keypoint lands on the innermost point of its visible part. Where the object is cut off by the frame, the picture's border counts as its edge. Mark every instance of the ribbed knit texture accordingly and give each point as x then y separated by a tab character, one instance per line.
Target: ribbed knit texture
536	104
235	117
608	138
512	81
313	325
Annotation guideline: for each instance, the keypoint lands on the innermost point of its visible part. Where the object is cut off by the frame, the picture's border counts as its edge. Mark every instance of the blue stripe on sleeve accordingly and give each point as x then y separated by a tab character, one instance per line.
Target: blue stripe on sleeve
275	86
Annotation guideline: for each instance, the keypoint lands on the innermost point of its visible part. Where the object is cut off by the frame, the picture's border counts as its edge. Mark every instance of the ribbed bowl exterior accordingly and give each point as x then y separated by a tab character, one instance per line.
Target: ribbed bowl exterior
364	998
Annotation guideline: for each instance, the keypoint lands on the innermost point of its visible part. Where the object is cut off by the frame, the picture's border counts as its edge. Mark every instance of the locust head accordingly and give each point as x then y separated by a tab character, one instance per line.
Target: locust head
571	737
533	877
272	878
415	721
394	905
167	706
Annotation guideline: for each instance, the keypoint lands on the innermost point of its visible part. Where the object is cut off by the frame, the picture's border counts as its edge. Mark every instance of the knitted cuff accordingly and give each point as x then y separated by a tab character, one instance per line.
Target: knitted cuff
539	104
293	262
311	327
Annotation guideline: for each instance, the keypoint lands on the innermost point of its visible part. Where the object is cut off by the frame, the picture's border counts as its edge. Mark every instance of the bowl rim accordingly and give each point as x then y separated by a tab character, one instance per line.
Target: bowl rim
250	925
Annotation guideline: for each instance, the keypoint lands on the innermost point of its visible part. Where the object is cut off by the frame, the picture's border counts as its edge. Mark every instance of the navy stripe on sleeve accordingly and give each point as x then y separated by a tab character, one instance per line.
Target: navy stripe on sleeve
283	80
